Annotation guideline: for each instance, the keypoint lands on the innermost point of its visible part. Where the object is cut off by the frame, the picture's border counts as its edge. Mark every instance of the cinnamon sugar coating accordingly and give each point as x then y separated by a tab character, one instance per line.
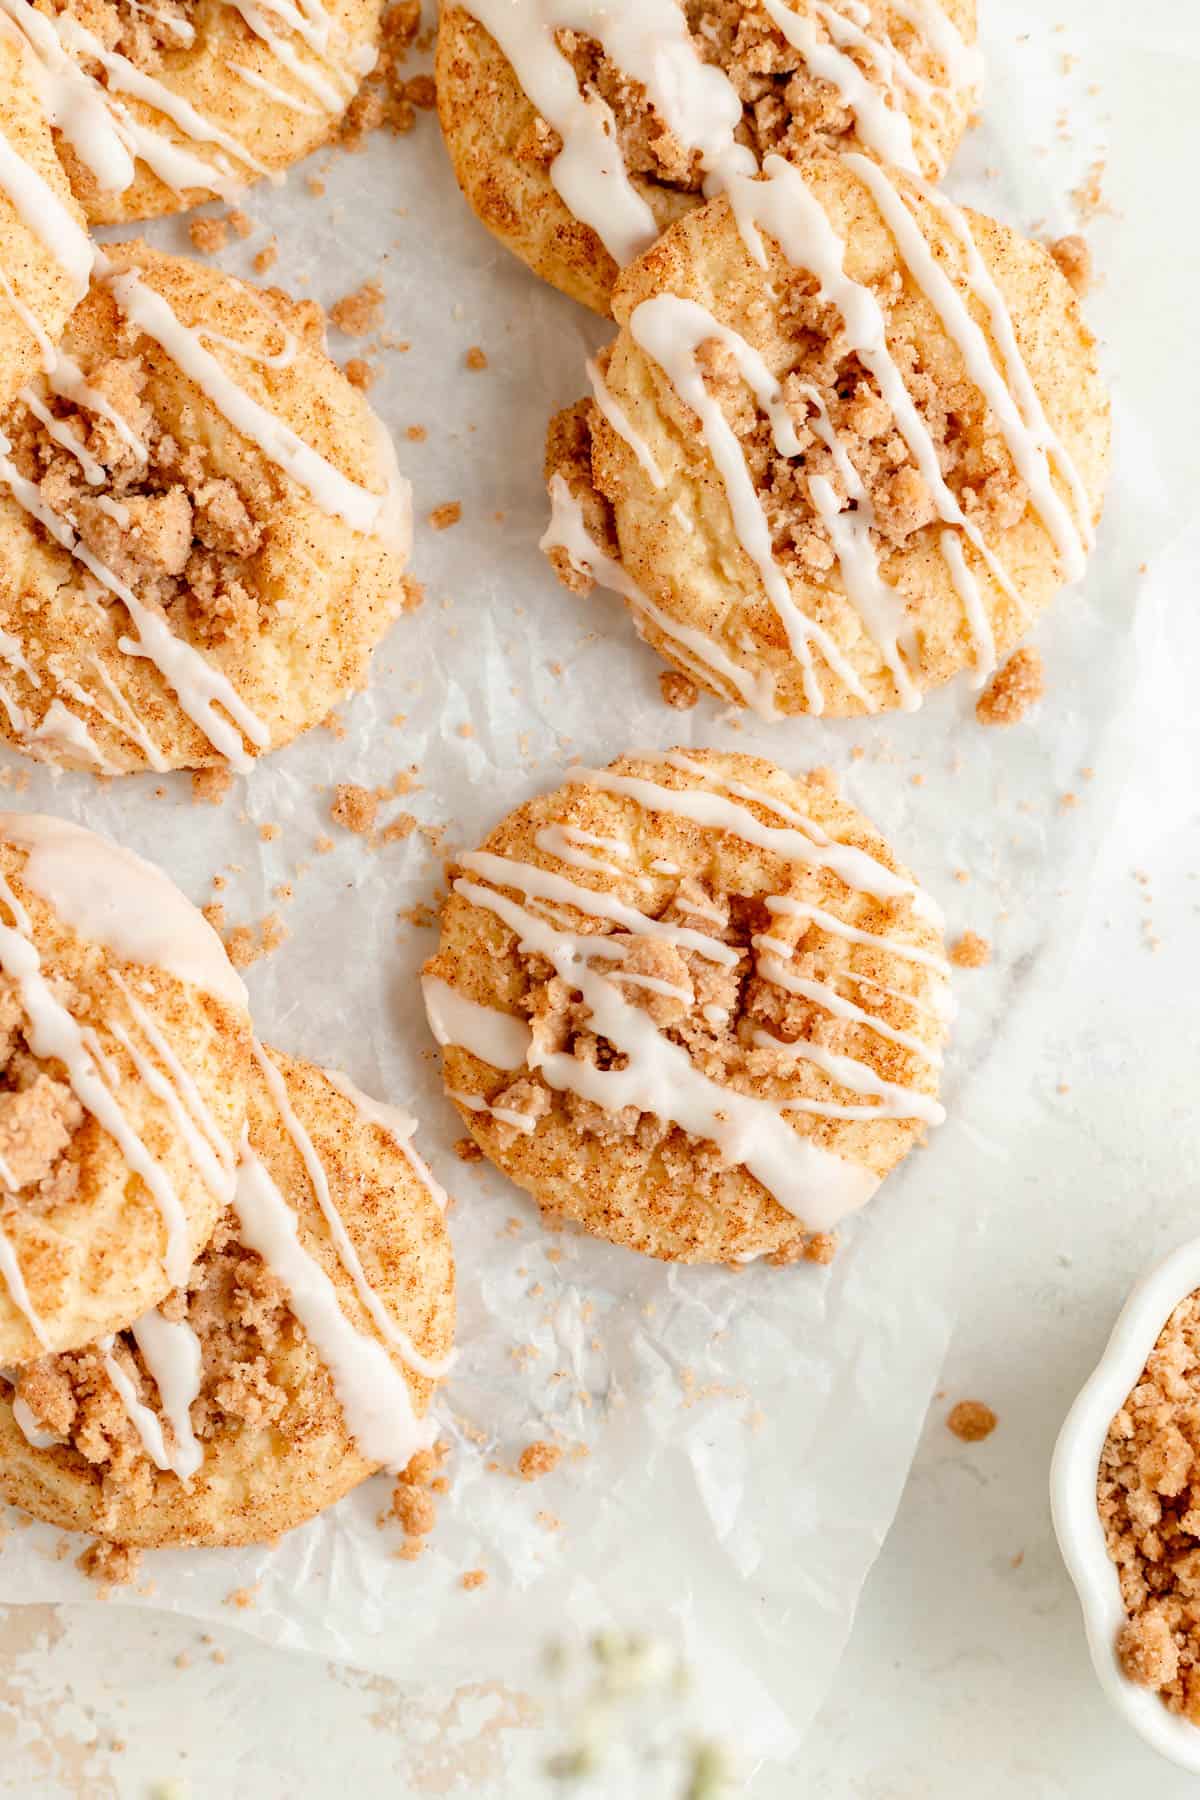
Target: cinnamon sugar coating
276	1446
40	286
1148	1495
502	150
680	540
255	123
282	598
83	1228
631	1175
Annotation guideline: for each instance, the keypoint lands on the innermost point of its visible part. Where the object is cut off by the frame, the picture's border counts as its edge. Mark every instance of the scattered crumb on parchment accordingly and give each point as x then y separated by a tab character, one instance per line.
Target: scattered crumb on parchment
971	1420
970	951
1013	689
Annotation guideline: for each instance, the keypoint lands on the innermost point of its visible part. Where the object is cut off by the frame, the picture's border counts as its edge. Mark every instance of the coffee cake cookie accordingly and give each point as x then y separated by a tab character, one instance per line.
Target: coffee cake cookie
693	1003
849	441
203	530
579	131
297	1358
125	1039
45	254
156	108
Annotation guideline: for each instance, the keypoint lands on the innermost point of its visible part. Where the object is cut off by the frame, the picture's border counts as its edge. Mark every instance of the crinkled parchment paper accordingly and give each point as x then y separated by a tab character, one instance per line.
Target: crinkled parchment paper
740	1440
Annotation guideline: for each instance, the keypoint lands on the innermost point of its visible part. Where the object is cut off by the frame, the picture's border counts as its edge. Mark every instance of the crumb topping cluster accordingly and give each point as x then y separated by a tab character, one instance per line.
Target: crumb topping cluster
179	536
145	35
712	1010
239	1311
786	110
1148	1494
39	1116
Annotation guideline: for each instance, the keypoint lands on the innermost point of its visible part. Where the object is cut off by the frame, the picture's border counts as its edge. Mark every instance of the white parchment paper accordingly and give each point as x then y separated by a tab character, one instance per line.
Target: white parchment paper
740	1440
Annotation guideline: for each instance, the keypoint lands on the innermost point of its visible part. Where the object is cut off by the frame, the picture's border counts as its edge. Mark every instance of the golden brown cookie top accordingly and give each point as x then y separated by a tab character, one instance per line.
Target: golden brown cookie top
693	1002
125	1042
579	132
45	255
160	108
849	440
203	526
299	1355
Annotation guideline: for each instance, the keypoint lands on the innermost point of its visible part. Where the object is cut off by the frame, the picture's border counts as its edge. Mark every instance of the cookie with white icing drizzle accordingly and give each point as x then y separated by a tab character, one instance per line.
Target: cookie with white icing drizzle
693	1003
580	129
203	530
125	1045
156	108
45	254
297	1358
850	440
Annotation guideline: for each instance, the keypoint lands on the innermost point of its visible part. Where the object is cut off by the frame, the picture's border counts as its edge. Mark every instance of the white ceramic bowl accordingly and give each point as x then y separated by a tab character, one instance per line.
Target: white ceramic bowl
1073	1499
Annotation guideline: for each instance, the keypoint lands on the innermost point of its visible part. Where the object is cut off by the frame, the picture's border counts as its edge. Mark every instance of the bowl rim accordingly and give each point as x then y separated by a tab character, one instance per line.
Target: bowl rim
1077	1525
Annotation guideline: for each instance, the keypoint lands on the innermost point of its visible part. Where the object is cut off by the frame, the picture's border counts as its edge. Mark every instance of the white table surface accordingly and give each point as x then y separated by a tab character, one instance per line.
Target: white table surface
967	1671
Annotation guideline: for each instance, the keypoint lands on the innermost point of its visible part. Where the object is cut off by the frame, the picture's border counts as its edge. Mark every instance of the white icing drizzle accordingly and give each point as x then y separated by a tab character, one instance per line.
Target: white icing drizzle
373	1394
261	85
568	532
651	45
525	1123
562	841
178	1363
109	139
14	1282
1026	445
124	721
880	607
660	1077
543	884
893	1101
497	1038
772	969
962	62
619	419
883	128
55	1035
184	1082
332	491
854	934
855	867
33	1433
786	208
61	726
347	1255
975	612
400	1127
93	472
331	97
198	686
671	331
174	1361
48	217
106	893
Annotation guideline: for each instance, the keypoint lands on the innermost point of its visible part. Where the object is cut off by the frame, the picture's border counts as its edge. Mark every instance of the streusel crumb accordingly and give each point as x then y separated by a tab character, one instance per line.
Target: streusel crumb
971	1420
1150	1512
1074	258
678	690
1012	690
209	235
358	313
971	951
537	1459
112	1565
354	808
210	786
